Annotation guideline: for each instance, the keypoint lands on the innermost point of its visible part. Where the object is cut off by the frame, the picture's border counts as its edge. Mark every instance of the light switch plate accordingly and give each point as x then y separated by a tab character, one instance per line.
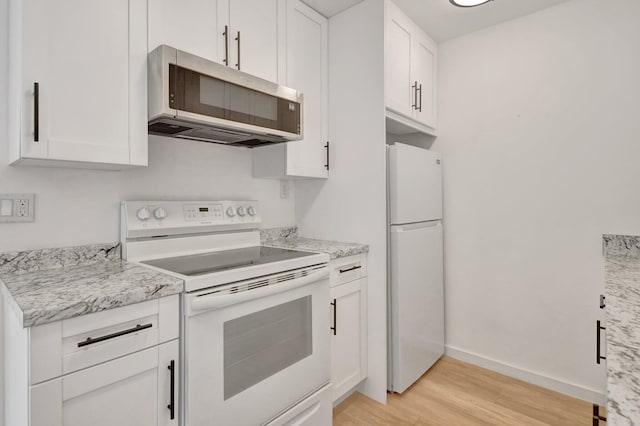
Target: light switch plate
17	207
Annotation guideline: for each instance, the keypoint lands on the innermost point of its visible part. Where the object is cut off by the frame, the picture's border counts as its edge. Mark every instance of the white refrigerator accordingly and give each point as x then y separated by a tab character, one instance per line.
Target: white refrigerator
415	281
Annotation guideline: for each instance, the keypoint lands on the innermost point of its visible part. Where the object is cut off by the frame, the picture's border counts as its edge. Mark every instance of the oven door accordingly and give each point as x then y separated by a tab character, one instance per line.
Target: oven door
256	348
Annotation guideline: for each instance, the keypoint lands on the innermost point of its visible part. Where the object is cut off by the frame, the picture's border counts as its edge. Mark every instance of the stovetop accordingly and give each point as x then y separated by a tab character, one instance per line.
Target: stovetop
207	263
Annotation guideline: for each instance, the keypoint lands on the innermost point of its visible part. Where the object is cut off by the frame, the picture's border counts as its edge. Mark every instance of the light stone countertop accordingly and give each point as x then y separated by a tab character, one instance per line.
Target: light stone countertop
622	321
43	286
288	238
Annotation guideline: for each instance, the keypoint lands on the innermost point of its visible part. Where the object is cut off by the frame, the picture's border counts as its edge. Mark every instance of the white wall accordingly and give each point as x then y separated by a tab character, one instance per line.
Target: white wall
351	204
82	206
539	132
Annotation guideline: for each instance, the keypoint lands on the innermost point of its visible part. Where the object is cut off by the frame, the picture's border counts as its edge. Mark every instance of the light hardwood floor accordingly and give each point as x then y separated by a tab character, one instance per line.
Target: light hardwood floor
456	393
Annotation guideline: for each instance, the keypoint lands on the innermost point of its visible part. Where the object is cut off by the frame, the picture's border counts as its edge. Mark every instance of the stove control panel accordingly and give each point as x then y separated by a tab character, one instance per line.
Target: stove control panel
203	211
161	218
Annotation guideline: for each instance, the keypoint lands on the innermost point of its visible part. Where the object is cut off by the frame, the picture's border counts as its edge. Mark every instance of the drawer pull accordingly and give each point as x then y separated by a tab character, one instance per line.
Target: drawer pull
353	268
92	340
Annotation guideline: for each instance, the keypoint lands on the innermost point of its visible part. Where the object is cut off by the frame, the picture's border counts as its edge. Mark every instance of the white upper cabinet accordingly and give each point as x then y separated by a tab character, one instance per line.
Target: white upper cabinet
411	66
304	67
242	34
78	91
253	37
188	25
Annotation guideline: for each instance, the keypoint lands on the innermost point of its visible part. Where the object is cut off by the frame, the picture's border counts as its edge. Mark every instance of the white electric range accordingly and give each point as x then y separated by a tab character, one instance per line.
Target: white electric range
255	319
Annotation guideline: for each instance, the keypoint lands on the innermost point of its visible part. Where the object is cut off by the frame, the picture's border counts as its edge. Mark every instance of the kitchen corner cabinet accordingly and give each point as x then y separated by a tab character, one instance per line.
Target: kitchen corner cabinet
348	324
242	34
78	91
116	367
304	67
411	70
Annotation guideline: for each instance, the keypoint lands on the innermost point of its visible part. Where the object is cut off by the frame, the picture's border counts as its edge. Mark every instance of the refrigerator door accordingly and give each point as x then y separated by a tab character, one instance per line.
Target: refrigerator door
415	184
416	302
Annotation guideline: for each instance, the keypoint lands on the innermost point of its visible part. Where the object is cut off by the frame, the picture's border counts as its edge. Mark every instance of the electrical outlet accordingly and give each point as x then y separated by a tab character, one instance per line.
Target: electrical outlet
17	207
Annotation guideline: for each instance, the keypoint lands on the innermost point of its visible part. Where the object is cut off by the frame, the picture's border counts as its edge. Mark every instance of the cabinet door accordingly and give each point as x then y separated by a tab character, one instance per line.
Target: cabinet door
303	66
128	391
89	59
188	25
424	69
307	71
348	343
399	87
256	50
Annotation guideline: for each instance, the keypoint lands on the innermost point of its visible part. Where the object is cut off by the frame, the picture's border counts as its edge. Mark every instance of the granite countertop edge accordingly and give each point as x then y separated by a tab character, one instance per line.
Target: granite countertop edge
622	321
287	237
43	286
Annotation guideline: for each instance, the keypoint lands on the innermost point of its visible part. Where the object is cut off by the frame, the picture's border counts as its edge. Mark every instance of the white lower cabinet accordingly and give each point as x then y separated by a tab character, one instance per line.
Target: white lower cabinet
348	327
116	367
134	390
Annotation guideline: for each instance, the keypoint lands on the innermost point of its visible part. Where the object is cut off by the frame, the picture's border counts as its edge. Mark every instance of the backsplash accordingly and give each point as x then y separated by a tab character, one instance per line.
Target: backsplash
621	245
42	259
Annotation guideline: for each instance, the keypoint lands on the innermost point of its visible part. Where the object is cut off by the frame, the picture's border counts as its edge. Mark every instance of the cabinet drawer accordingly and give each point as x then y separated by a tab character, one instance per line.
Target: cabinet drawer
70	345
347	269
134	390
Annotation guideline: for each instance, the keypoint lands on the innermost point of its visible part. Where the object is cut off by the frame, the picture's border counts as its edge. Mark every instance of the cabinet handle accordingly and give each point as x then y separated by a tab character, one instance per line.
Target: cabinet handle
335	316
92	340
420	104
415	95
353	268
238	40
226	45
36	112
596	415
598	328
326	166
172	402
602	305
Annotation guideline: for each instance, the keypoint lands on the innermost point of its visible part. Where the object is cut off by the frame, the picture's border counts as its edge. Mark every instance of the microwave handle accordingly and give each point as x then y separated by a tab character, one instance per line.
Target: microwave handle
213	301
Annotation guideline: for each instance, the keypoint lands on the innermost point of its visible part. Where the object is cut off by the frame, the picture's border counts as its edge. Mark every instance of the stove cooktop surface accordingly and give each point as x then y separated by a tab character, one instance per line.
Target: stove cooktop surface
207	263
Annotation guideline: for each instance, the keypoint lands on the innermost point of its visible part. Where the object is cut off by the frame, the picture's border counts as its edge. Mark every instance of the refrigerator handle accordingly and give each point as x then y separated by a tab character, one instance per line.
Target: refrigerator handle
411	226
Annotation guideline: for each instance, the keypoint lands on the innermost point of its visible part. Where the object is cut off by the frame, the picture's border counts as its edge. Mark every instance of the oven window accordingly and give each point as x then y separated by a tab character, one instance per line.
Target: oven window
261	344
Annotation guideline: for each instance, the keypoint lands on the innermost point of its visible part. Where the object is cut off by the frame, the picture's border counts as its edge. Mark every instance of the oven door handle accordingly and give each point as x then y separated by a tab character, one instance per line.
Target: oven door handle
214	301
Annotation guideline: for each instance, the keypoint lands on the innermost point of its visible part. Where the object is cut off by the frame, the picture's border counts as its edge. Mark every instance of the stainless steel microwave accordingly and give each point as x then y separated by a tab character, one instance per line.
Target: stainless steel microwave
193	98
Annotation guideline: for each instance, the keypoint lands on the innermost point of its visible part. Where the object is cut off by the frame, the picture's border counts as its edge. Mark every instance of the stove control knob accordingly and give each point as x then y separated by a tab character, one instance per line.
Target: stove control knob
231	212
143	213
160	213
241	211
252	211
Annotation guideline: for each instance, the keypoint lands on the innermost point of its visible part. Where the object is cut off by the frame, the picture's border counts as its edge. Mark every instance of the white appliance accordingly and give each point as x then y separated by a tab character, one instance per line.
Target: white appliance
415	282
255	320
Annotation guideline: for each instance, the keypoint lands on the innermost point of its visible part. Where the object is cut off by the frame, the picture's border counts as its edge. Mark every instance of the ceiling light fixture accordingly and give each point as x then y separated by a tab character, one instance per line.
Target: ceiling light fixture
468	3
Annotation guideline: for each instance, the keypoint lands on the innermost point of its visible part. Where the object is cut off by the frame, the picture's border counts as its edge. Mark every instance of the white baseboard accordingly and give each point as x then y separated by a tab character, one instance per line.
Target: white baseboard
570	389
